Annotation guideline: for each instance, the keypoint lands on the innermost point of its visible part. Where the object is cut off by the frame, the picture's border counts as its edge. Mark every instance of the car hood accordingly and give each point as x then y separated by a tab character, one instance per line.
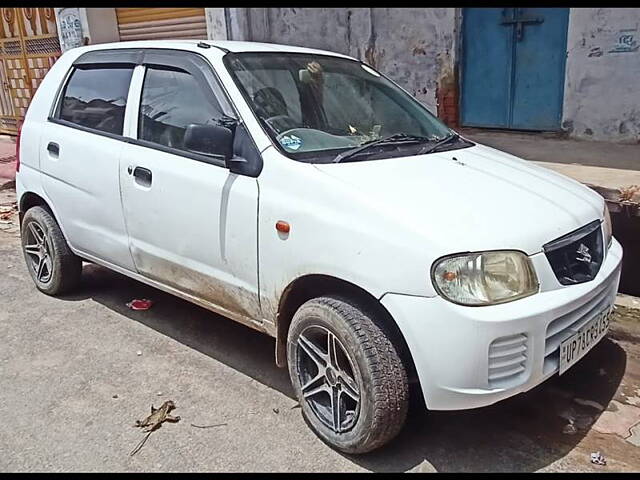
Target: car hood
476	198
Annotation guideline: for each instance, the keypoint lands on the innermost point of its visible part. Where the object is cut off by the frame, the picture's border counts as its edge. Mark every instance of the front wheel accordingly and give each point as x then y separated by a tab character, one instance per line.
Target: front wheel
347	375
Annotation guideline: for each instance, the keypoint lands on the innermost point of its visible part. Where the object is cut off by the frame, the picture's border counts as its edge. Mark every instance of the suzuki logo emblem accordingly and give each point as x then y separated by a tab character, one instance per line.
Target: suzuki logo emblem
583	254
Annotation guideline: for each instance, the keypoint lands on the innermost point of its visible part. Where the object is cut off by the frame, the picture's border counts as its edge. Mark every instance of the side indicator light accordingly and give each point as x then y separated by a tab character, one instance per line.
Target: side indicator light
283	226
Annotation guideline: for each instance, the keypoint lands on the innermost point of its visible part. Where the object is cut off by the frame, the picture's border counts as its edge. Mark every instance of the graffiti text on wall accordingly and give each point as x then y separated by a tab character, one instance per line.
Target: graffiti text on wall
626	41
70	28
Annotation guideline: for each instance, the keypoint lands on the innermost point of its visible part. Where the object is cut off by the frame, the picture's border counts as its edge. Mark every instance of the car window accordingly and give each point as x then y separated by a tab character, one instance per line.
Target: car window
173	99
353	104
268	90
96	98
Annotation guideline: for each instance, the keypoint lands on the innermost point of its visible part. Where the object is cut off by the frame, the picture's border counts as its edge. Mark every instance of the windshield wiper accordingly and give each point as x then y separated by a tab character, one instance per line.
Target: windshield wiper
439	143
395	139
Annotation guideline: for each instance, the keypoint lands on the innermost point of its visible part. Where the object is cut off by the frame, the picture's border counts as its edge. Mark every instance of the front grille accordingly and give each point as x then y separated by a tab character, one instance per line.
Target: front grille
576	257
568	324
507	359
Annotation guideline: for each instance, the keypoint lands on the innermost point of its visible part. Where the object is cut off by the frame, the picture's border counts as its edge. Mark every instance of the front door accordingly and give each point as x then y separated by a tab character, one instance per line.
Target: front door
513	67
192	224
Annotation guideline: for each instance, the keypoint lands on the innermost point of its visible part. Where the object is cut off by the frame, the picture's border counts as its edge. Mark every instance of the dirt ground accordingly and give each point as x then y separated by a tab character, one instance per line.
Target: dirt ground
77	371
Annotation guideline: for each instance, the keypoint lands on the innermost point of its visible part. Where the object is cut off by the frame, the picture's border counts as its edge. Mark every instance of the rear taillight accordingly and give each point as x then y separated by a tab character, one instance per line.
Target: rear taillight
18	149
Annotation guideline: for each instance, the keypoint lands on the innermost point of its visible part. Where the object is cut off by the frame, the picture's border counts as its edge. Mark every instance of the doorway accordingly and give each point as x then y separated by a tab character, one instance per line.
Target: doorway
513	67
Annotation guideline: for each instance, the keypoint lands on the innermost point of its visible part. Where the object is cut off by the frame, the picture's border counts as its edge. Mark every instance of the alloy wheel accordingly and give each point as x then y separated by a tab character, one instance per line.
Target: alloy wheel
39	252
327	377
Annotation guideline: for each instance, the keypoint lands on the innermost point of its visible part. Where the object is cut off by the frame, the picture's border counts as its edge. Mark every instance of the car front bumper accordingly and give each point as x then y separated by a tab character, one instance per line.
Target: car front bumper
453	347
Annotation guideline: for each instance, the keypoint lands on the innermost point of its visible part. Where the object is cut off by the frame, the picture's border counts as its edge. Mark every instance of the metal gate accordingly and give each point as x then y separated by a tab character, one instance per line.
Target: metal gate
28	48
513	67
161	23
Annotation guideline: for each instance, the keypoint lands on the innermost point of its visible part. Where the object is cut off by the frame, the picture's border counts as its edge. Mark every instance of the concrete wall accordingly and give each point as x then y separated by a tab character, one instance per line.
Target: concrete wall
99	25
216	23
102	25
602	86
413	46
417	47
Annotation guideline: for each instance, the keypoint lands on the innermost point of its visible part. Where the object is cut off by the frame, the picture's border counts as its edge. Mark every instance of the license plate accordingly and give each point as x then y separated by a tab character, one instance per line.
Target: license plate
576	346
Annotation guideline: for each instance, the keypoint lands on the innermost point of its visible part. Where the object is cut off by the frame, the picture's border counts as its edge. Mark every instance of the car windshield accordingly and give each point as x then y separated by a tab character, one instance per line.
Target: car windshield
316	107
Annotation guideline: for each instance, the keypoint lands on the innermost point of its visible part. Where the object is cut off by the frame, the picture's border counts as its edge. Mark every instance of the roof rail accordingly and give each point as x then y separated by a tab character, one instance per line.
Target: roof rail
207	45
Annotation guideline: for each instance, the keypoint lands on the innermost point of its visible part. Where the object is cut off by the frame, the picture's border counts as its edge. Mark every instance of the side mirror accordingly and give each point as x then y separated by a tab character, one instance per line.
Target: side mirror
213	140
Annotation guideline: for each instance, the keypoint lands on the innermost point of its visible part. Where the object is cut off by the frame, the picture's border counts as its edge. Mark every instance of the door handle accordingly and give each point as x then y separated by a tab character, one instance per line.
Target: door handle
54	149
143	176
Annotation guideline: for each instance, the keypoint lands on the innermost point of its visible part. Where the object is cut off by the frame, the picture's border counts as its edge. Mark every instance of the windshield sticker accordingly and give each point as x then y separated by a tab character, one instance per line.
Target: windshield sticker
291	142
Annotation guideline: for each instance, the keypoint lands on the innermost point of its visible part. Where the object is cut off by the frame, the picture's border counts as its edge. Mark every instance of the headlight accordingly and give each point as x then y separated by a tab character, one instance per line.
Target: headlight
606	227
484	278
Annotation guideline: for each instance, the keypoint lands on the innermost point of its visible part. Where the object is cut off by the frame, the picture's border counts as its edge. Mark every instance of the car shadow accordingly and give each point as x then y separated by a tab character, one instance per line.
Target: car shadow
523	433
229	342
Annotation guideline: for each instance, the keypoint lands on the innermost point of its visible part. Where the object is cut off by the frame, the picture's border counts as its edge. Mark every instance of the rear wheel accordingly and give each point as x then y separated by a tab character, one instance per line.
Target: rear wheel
54	268
347	375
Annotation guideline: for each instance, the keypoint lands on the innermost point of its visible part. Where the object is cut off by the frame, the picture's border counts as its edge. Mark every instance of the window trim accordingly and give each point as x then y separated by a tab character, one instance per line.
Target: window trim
133	103
174	151
67	123
57	100
187	62
160	55
128	56
142	143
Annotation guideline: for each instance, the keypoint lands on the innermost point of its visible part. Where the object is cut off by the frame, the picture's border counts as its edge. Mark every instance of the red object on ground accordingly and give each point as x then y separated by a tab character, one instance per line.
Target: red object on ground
140	304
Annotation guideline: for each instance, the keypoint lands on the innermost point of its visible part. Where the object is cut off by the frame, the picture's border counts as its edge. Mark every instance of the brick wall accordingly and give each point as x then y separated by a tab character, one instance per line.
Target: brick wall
447	101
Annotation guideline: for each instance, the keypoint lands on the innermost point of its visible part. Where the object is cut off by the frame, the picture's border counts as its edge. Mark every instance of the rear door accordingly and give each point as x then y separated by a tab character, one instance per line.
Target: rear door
79	156
192	224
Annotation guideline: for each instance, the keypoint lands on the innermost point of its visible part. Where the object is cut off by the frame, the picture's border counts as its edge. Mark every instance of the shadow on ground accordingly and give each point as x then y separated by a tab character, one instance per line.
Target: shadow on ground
220	338
626	230
523	433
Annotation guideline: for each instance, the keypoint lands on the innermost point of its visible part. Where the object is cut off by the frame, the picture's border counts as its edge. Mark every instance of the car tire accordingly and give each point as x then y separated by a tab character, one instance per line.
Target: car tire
54	268
363	358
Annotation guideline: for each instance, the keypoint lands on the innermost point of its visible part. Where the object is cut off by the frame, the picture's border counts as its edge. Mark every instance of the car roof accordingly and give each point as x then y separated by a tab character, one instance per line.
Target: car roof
229	45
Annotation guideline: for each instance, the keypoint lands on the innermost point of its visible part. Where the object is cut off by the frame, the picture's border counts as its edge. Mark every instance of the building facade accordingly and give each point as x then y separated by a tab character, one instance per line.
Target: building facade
571	70
28	47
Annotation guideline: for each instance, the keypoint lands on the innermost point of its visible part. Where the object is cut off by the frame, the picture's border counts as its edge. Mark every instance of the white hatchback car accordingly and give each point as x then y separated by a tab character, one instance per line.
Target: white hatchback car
304	194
